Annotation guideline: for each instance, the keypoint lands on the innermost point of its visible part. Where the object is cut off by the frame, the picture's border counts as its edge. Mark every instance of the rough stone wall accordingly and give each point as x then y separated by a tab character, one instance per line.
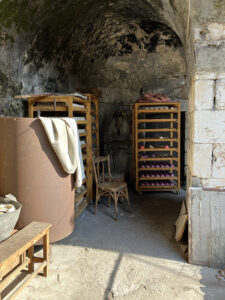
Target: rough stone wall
157	67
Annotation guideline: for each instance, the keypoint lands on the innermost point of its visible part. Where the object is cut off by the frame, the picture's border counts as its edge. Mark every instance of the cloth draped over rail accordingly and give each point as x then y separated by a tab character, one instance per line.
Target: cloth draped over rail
64	138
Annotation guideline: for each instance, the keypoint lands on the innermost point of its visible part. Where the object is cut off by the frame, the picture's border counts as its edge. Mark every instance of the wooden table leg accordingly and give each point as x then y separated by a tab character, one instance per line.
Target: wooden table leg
23	257
50	254
46	252
31	257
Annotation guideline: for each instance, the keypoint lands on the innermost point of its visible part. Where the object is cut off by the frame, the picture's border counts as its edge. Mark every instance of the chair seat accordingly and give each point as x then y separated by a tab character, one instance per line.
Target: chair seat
113	186
115	177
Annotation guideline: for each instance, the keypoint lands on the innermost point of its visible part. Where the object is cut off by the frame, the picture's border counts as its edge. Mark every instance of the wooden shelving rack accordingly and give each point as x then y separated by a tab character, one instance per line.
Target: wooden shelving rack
80	109
93	95
94	123
156	146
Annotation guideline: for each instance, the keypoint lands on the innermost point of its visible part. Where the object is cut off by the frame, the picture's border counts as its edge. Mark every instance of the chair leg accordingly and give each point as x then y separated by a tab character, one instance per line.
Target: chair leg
122	196
96	203
115	196
109	200
127	197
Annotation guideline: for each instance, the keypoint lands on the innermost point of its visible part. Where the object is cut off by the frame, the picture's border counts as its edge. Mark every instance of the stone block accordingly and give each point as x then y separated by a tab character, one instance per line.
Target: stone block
189	155
218	165
209	127
213	183
209	75
191	127
206	227
191	97
210	57
216	32
201	160
220	94
204	94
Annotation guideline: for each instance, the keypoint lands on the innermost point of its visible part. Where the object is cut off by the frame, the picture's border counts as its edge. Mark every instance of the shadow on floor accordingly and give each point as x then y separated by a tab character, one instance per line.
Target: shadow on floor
147	230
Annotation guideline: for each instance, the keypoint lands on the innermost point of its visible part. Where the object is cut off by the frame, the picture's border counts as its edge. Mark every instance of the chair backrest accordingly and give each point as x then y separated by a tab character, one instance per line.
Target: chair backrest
101	173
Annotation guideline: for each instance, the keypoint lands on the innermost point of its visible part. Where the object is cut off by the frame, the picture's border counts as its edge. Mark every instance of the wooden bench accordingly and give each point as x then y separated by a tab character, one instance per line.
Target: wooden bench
13	256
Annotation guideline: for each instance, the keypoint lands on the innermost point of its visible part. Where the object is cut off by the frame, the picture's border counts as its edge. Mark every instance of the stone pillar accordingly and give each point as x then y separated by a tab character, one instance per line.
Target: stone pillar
206	149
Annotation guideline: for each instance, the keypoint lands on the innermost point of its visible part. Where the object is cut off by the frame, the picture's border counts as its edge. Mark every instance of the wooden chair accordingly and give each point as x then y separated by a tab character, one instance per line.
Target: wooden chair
105	186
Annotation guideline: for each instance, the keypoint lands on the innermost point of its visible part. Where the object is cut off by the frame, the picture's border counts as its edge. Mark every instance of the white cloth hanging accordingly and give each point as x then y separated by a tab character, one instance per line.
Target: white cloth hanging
64	138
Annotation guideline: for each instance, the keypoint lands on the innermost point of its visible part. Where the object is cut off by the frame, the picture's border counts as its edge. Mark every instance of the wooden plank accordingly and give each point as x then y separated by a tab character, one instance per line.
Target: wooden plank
168	187
13	274
82	122
29	277
47	109
77	199
156	178
83	134
89	152
158	111
157	130
159	159
46	253
158	140
79	110
157	121
181	224
81	208
31	258
21	241
171	103
136	145
157	169
83	146
157	149
179	146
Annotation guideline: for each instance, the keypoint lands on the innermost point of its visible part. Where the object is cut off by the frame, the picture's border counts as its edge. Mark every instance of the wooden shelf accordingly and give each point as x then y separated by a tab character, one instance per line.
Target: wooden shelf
81	208
140	136
158	169
79	122
157	140
83	146
80	110
158	158
79	197
158	130
50	108
83	134
159	188
67	103
156	178
84	181
156	149
158	111
157	120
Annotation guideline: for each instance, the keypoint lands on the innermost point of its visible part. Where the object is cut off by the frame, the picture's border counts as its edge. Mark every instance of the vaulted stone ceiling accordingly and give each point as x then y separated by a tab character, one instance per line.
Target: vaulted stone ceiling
74	39
77	29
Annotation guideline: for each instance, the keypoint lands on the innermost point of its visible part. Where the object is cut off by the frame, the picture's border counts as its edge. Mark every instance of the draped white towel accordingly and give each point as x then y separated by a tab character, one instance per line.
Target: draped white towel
64	138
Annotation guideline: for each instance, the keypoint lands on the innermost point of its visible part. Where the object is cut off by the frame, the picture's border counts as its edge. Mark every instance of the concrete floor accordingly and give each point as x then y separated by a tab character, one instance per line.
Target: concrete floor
134	258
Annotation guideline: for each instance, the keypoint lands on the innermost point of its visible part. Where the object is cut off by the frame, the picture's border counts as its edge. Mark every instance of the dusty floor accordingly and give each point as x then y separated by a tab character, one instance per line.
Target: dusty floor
134	258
